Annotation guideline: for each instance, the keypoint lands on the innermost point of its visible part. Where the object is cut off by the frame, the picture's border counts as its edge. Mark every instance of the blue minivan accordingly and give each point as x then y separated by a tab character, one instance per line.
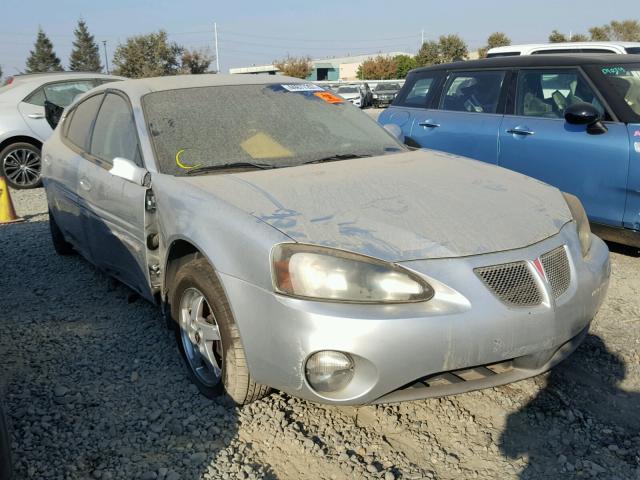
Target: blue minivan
572	121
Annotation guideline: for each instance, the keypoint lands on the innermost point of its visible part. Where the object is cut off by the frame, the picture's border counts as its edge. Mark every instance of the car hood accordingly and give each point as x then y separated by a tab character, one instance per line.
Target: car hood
398	207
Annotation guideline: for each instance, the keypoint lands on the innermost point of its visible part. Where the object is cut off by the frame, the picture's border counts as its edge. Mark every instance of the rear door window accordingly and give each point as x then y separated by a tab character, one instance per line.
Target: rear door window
63	93
547	93
78	128
473	92
417	90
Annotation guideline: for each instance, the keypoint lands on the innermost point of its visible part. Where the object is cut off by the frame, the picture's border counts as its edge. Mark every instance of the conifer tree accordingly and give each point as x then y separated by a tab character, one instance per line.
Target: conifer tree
85	56
42	58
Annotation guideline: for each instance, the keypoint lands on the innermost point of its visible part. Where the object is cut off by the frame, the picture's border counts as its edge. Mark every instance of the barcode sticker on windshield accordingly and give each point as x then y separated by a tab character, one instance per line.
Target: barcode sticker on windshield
302	87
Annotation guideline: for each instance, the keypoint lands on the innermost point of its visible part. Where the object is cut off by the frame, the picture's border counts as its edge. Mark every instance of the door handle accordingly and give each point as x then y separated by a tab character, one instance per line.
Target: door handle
35	115
429	124
520	131
85	184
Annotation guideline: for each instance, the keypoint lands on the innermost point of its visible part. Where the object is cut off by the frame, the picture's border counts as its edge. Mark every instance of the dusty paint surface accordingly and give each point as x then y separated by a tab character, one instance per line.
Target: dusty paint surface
399	207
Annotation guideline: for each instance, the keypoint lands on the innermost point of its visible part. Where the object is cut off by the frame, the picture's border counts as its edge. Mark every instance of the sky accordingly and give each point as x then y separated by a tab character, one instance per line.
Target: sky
257	32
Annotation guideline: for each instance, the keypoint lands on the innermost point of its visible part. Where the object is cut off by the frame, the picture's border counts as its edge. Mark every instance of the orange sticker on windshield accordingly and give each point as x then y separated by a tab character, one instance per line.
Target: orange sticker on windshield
329	97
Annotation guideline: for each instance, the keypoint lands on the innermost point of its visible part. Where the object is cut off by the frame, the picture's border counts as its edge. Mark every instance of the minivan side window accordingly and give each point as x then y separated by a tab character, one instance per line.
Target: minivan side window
547	93
474	92
114	134
78	129
416	90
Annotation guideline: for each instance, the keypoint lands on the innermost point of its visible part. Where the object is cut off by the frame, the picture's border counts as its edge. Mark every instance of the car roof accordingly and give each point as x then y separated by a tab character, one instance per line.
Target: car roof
24	84
550	60
54	76
142	86
561	45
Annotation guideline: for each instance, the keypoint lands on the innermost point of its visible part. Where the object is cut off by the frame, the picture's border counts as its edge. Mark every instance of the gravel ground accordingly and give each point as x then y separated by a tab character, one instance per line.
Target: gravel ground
95	388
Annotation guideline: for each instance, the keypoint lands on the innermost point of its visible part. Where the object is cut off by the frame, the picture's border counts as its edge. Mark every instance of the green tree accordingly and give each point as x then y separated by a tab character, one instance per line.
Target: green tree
42	58
452	48
85	56
496	39
625	30
298	67
579	37
150	55
404	64
448	48
196	61
429	54
599	34
557	37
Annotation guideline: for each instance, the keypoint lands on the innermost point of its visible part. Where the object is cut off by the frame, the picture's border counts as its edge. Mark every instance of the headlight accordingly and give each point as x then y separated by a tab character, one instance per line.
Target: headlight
582	222
320	273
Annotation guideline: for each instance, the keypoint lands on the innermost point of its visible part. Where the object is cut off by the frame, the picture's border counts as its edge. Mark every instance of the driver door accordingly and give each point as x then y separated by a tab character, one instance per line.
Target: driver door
114	212
538	142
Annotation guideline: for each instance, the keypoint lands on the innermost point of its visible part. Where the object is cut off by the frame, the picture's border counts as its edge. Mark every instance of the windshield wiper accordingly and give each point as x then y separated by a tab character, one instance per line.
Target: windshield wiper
225	166
336	157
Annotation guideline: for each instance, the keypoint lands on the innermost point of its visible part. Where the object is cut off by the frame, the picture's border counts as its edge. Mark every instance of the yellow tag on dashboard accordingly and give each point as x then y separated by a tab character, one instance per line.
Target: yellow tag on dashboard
262	145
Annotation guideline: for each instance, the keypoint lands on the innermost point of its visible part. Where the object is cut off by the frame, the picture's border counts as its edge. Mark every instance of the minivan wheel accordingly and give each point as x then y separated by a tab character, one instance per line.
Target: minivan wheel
20	164
207	336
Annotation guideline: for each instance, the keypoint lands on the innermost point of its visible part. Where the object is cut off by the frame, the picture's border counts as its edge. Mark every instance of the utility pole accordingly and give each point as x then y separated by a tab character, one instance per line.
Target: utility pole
215	34
421	43
106	59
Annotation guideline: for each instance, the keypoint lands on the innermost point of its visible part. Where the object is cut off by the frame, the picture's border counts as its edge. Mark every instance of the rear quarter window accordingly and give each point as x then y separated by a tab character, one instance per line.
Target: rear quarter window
418	90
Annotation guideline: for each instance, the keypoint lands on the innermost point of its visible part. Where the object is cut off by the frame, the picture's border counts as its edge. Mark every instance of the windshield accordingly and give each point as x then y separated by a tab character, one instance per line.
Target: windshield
275	125
625	82
387	87
348	90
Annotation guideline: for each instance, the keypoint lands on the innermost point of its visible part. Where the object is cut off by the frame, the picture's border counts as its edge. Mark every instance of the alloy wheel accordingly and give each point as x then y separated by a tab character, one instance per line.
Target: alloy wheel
201	338
22	167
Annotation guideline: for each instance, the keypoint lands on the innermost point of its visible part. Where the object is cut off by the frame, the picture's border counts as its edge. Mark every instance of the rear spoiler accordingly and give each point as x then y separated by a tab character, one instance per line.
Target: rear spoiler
53	113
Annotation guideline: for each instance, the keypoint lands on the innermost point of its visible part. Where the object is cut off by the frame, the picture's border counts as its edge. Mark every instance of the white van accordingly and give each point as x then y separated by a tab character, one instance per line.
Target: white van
565	47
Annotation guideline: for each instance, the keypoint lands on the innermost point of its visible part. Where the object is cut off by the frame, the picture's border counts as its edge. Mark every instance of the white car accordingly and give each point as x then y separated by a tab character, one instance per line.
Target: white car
353	94
23	127
565	47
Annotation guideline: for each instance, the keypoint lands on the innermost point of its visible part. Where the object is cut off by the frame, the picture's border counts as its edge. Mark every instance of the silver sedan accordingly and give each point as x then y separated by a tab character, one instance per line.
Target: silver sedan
298	245
22	124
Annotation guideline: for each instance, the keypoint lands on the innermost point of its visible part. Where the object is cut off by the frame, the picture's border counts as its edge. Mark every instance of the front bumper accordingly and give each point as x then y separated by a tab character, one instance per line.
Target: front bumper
399	349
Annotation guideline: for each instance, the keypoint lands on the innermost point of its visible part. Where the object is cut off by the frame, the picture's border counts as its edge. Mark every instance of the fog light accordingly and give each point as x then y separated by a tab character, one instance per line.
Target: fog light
329	371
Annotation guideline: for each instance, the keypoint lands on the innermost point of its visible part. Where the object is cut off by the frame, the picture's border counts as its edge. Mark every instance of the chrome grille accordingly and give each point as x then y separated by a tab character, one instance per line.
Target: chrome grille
512	283
556	267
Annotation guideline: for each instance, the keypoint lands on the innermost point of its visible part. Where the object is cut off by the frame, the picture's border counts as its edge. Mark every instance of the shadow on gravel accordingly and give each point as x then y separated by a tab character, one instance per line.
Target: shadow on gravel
580	421
96	387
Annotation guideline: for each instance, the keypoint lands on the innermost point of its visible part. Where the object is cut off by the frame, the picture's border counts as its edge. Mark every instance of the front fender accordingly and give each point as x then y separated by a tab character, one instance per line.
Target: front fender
235	243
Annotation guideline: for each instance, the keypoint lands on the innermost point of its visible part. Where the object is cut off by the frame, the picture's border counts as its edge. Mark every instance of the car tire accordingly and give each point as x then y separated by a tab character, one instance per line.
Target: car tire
219	366
6	465
60	245
16	155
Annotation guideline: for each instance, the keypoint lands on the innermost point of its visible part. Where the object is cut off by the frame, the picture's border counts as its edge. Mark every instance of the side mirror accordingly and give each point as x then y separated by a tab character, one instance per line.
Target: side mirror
585	114
127	170
395	130
53	113
581	114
